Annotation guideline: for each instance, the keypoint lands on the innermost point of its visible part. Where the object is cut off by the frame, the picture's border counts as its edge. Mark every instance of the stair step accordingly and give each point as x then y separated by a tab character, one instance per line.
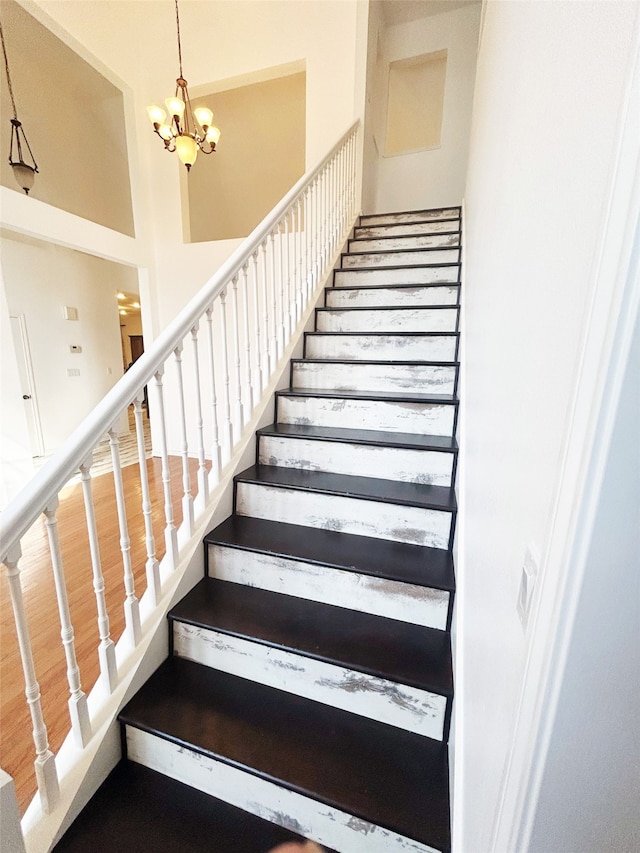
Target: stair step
392	412
354	375
435	318
392	296
411	583
138	809
397	673
297	761
401	258
430	214
406	229
398	275
382	346
408	241
388	456
404	512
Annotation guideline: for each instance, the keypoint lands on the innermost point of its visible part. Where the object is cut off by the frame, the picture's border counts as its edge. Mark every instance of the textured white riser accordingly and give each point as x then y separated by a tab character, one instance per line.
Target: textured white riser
381	377
362	297
388	415
392	320
367	232
415	241
382	347
310	818
396	704
360	460
401	259
346	514
417	605
404	275
411	216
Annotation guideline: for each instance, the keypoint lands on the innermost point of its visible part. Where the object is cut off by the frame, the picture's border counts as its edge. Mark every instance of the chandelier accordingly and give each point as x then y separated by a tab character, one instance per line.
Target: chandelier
185	130
23	171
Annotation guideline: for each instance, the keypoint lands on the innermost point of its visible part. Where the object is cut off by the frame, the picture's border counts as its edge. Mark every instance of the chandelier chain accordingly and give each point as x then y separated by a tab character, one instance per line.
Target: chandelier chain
6	66
179	45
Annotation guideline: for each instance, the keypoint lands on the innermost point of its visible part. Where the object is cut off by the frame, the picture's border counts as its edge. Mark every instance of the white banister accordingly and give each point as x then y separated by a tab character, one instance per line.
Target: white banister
78	711
197	419
106	647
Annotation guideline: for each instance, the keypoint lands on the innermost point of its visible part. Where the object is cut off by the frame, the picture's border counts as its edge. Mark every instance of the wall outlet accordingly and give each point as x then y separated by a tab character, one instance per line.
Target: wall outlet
73	371
527	583
75	348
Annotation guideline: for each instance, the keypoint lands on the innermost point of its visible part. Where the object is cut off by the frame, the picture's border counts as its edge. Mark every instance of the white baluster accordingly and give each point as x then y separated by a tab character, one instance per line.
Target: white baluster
216	457
45	764
307	241
290	297
152	568
300	237
274	350
266	364
131	603
283	330
295	278
106	647
315	232
170	533
248	383
257	385
187	497
203	477
238	413
78	710
227	428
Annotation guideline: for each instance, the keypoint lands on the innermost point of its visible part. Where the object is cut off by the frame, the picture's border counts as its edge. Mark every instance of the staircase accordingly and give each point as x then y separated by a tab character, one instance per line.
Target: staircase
309	688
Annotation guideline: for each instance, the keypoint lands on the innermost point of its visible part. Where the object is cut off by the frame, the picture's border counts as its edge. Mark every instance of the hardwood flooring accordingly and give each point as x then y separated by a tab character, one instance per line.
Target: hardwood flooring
16	744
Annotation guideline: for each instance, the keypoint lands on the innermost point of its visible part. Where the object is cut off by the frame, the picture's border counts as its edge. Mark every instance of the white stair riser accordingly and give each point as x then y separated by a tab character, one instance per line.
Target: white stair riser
363	297
351	376
415	241
403	275
346	514
268	800
408	229
388	415
387	320
410	216
363	460
382	347
395	704
401	259
405	602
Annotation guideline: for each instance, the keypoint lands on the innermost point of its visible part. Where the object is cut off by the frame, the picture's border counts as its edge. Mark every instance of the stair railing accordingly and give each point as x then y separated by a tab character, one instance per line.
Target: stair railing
248	310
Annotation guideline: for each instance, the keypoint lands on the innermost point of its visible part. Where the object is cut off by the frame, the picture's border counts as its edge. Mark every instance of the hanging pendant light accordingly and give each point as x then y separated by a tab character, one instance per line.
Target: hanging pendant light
182	129
24	171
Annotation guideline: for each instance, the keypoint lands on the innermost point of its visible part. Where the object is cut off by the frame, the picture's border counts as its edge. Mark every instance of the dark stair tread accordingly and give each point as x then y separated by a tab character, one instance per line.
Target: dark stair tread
390	334
410	363
392	396
362	436
374	287
419	565
138	809
399	268
359	238
367	488
385	648
378	773
390	308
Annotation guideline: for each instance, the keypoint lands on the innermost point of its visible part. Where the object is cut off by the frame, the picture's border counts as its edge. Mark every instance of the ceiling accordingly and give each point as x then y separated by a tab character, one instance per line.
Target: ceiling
405	11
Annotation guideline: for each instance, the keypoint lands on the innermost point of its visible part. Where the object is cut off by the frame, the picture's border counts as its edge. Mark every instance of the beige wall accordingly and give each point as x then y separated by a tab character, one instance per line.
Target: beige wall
74	121
260	156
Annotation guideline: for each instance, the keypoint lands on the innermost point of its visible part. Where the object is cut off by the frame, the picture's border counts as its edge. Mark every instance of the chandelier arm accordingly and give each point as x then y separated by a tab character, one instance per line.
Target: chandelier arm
26	142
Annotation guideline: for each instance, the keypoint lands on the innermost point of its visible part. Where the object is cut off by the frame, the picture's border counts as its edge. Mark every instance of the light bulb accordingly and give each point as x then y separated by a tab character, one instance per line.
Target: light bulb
156	114
213	135
187	150
204	116
165	132
175	106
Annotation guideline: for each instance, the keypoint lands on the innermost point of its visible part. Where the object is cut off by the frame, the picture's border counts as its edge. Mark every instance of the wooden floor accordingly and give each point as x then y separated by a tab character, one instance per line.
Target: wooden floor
16	743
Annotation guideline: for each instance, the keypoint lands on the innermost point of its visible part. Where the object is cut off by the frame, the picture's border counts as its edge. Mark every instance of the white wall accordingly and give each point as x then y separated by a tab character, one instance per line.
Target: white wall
595	741
432	178
40	280
550	92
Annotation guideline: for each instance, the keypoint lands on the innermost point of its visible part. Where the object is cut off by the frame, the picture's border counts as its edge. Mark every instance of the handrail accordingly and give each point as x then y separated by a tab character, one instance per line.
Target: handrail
23	510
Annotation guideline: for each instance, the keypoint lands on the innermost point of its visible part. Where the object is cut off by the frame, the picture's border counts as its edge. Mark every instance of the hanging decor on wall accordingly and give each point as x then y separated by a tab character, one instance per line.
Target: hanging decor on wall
24	171
187	131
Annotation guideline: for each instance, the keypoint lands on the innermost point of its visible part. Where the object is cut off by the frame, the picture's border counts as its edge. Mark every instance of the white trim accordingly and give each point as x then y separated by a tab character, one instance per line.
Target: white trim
605	353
